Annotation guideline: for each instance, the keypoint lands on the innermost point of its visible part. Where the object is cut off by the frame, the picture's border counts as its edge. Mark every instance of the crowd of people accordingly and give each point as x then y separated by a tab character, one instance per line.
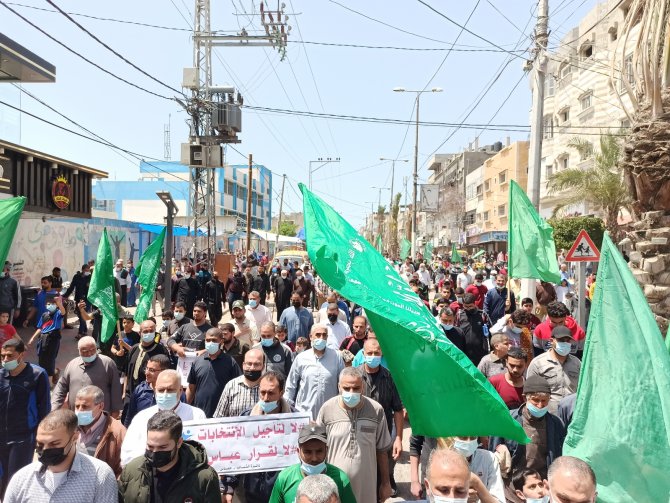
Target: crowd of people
110	424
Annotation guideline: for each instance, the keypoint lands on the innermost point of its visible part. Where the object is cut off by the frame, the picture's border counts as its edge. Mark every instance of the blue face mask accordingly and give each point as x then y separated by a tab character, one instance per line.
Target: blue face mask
373	361
308	469
319	344
84	417
148	337
267	406
89	359
543	499
446	326
536	411
266	343
253	303
212	347
52	308
351	398
563	348
166	401
10	365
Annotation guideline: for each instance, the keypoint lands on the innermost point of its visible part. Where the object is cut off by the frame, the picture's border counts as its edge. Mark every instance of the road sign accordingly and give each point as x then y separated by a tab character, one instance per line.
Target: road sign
583	250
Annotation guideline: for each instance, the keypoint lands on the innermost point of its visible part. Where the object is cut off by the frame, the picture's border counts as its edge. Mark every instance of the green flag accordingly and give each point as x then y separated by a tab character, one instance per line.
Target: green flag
147	274
428	250
405	248
532	252
455	256
101	292
443	391
621	421
667	337
10	214
378	243
479	254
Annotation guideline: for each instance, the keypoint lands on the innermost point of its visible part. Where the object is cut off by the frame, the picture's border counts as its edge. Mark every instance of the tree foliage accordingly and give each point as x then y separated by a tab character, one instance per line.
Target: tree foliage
287	228
566	230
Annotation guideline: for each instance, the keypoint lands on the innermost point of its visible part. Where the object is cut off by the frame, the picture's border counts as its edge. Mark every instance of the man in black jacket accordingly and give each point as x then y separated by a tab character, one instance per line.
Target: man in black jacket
213	297
261	284
475	330
79	285
10	295
186	291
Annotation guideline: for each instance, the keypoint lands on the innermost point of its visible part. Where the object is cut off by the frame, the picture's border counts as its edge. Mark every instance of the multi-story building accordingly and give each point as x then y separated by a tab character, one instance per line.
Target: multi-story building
137	200
487	193
580	100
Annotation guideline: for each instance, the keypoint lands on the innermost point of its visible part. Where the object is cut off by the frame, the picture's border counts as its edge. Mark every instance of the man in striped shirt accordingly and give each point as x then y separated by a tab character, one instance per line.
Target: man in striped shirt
241	393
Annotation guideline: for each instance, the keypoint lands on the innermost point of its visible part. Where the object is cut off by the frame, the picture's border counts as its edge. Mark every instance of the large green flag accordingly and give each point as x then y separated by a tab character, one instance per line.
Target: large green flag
10	214
428	250
455	256
405	248
621	421
532	252
443	391
147	274
101	292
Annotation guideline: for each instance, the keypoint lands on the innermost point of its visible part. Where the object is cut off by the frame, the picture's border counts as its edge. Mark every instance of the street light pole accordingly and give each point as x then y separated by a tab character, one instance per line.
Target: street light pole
172	210
415	173
323	162
393	161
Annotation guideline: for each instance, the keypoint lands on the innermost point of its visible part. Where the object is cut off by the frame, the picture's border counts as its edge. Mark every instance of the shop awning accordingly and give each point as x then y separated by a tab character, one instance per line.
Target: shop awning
272	237
176	230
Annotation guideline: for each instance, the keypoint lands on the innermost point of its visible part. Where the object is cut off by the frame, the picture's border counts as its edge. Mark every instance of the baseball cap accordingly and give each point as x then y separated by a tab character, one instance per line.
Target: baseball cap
560	332
312	432
238	303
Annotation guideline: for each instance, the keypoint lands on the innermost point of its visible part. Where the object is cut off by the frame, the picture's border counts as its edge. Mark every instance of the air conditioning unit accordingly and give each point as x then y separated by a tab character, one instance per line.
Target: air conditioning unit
204	156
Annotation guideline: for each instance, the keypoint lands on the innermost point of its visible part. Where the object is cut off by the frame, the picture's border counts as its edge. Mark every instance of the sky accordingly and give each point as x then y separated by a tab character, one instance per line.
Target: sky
479	68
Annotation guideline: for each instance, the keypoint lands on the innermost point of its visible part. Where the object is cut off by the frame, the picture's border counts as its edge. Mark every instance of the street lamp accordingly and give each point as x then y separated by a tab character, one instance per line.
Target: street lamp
379	204
323	162
172	210
393	161
416	157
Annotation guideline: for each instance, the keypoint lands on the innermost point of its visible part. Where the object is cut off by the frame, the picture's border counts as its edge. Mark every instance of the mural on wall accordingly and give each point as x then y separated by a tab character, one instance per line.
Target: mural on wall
39	246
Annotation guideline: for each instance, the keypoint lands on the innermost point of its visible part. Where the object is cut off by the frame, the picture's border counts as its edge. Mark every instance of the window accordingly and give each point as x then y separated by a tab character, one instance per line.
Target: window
586	51
586	100
228	187
470	191
549	84
548	127
625	124
486	216
502	177
564	115
549	171
565	70
104	204
501	210
242	193
487	185
480	190
564	162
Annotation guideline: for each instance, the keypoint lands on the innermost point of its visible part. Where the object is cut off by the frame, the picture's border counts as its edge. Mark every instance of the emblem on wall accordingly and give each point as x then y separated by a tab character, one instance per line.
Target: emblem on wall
61	192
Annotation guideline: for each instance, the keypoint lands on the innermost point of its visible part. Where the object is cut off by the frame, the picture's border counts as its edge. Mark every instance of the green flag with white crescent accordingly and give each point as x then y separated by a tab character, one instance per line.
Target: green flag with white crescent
621	420
532	251
147	274
443	391
101	292
405	248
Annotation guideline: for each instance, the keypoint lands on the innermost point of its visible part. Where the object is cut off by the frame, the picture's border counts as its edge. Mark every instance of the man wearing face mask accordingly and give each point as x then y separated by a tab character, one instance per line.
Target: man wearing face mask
256	310
302	284
179	319
191	337
61	473
24	390
100	435
338	330
457	305
148	347
545	430
478	289
213	295
48	335
167	391
39	306
529	487
143	396
313	378
571	479
452	332
79	285
171	469
380	387
282	287
474	325
241	393
358	437
89	368
123	277
312	450
297	320
187	290
448	477
558	315
236	287
495	300
278	356
558	366
210	373
10	294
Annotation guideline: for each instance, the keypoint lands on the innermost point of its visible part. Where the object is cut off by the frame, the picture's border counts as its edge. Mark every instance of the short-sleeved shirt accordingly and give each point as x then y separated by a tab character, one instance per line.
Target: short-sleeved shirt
354	437
50	322
6	333
511	395
492	365
191	336
562	378
286	485
210	377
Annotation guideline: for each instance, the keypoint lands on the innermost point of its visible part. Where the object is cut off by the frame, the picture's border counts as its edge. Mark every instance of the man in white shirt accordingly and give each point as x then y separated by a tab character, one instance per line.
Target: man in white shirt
337	329
407	269
245	327
259	313
168	391
464	279
424	275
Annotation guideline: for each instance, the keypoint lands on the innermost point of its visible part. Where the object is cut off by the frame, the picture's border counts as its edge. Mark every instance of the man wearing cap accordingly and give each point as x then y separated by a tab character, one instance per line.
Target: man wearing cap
558	315
545	430
558	366
245	326
312	449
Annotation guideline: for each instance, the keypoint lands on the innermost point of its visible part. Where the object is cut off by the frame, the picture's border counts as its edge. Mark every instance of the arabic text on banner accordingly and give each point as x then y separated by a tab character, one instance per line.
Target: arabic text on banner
249	444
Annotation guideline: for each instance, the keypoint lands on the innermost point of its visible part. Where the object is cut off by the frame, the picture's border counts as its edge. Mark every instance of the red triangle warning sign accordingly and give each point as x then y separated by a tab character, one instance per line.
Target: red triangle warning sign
583	250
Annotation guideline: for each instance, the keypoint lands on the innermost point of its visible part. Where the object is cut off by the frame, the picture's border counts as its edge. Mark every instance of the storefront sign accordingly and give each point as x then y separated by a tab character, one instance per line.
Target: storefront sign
249	444
61	193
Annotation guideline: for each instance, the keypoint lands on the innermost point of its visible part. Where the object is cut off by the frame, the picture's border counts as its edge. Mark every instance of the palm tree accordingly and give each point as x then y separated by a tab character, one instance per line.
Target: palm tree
602	185
393	231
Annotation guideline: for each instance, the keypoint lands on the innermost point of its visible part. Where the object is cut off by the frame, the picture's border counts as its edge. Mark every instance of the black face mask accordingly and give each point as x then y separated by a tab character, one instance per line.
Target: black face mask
159	459
471	311
253	375
332	318
297	304
53	456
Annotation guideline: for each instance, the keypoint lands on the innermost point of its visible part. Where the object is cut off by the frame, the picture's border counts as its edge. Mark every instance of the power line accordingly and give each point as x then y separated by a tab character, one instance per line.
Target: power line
81	56
117	54
454	48
507	19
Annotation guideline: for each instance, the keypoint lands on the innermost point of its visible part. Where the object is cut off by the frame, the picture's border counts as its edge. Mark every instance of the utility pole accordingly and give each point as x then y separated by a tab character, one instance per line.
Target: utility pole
281	206
167	147
538	75
249	187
